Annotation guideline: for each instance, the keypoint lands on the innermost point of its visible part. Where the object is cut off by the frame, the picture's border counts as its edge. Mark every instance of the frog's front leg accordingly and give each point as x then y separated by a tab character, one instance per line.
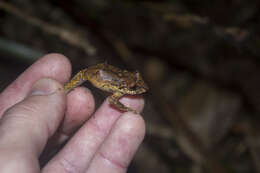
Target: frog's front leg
76	81
114	100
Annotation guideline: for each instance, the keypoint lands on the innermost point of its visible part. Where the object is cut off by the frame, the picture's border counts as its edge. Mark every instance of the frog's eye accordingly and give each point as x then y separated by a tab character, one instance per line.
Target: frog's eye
134	87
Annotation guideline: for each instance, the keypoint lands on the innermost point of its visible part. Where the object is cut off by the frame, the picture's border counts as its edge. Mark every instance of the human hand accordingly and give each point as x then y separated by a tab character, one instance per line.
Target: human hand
36	115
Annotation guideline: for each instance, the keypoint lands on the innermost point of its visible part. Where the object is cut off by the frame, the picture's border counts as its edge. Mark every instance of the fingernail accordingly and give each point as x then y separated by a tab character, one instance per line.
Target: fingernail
44	86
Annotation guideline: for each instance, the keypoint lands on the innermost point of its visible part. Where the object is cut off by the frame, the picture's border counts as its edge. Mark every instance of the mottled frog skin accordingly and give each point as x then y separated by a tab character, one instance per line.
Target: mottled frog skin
111	79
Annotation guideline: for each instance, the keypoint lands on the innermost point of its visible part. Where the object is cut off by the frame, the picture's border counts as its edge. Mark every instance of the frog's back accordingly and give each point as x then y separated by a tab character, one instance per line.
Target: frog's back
110	78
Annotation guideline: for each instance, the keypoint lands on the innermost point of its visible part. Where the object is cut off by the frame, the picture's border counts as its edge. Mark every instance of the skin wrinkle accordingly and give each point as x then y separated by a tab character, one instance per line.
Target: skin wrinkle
112	114
111	161
94	137
123	136
36	127
83	147
67	162
26	108
60	111
12	90
48	66
26	146
93	123
82	151
28	165
97	135
31	107
34	110
85	95
20	85
68	166
2	106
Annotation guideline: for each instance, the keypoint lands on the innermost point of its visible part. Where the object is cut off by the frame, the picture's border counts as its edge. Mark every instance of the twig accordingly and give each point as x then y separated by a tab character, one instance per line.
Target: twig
250	131
160	131
189	20
186	20
75	38
14	49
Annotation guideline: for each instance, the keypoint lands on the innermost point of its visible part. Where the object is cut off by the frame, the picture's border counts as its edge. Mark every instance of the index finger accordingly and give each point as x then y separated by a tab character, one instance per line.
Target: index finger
54	66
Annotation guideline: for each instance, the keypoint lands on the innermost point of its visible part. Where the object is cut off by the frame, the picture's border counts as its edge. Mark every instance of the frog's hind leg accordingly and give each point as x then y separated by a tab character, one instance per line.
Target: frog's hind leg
114	100
76	81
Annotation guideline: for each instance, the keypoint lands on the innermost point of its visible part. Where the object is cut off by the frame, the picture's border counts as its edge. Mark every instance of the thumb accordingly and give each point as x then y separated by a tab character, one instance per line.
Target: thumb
26	127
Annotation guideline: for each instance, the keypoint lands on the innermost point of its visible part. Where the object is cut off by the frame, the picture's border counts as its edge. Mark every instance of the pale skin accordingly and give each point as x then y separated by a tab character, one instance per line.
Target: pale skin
35	105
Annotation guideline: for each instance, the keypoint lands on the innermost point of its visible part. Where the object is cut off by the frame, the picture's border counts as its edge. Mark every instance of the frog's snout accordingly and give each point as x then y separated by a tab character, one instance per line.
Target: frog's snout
145	87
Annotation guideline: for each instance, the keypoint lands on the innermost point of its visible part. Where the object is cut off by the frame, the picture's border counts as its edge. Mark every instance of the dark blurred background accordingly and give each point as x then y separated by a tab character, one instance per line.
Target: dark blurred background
199	58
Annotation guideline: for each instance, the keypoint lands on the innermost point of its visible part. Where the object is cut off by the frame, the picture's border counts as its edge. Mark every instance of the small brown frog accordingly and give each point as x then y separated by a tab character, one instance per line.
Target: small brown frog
110	79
